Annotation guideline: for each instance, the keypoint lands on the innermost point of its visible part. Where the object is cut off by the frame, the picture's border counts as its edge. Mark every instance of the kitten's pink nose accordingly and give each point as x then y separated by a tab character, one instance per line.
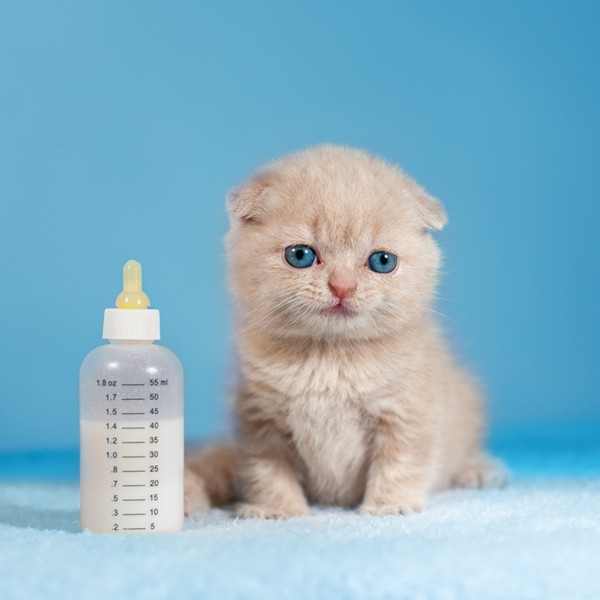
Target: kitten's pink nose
342	287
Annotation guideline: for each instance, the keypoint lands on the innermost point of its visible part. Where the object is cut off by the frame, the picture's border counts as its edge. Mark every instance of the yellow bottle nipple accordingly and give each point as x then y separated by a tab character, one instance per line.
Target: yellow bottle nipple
132	295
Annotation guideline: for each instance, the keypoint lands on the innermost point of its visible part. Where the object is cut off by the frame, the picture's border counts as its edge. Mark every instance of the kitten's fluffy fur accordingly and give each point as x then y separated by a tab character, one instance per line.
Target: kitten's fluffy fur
363	407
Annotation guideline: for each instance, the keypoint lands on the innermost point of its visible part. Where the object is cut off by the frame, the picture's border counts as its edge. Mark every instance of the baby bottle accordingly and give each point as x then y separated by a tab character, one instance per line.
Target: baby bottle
131	422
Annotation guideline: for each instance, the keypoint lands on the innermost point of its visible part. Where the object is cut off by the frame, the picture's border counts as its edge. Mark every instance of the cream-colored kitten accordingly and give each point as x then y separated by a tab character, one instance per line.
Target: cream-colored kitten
349	395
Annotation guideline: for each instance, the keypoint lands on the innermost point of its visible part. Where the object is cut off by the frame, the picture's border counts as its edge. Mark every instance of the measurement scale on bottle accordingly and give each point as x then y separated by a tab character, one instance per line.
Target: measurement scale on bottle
135	484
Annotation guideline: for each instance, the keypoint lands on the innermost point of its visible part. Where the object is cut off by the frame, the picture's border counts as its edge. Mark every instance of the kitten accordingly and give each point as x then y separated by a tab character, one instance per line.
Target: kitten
349	395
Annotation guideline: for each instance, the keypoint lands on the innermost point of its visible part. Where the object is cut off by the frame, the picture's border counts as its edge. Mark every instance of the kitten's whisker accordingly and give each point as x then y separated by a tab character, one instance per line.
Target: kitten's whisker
441	314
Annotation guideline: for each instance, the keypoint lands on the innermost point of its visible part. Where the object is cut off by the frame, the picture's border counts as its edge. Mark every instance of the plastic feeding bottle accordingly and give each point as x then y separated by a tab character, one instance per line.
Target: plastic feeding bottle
131	411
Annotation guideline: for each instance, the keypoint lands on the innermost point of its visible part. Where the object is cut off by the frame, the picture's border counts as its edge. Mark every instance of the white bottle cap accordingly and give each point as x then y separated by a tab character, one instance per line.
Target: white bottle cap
131	324
132	319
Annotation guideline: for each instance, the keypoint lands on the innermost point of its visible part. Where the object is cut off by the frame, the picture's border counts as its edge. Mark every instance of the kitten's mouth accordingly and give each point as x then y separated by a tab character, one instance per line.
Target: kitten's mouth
338	310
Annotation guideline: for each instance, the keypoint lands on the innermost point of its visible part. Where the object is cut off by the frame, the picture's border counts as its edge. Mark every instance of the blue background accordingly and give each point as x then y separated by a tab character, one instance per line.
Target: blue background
123	125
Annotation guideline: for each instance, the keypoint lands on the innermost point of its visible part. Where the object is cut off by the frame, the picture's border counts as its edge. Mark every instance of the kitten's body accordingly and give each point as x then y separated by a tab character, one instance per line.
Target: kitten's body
347	398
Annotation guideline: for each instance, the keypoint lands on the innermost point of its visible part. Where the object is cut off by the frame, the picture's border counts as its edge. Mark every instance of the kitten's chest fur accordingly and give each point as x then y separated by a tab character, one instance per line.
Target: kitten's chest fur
326	406
331	435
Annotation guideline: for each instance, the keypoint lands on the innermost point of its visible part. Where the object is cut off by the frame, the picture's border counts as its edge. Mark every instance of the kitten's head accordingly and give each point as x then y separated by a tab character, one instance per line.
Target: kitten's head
332	243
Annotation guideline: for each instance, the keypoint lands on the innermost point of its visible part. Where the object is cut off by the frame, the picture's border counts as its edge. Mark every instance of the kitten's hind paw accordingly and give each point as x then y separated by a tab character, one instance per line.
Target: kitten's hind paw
195	498
482	472
260	511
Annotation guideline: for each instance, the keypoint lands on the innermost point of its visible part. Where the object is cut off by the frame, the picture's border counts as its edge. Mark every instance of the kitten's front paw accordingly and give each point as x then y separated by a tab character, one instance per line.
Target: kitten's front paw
260	511
401	507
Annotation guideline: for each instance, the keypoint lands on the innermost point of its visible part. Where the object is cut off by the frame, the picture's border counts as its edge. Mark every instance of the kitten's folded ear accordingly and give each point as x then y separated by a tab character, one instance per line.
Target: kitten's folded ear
246	202
430	209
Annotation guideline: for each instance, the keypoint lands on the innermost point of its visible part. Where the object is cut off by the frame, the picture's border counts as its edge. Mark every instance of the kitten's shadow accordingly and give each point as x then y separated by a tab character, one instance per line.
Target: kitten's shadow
50	519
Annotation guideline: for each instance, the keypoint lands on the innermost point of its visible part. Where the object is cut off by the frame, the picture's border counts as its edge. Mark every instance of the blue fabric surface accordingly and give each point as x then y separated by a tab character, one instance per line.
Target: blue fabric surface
537	539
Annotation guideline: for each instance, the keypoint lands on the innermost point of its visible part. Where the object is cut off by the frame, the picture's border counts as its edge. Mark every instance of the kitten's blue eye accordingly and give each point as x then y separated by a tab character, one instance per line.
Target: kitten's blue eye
300	257
382	262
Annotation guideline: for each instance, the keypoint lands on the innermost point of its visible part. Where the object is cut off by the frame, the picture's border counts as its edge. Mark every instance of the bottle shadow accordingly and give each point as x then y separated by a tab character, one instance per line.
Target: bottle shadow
26	517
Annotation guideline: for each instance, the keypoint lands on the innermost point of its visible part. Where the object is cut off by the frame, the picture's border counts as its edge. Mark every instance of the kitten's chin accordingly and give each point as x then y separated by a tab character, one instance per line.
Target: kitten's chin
327	325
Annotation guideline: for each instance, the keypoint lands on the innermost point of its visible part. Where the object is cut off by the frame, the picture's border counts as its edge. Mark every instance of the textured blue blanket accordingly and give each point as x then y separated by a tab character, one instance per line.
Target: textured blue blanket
537	539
